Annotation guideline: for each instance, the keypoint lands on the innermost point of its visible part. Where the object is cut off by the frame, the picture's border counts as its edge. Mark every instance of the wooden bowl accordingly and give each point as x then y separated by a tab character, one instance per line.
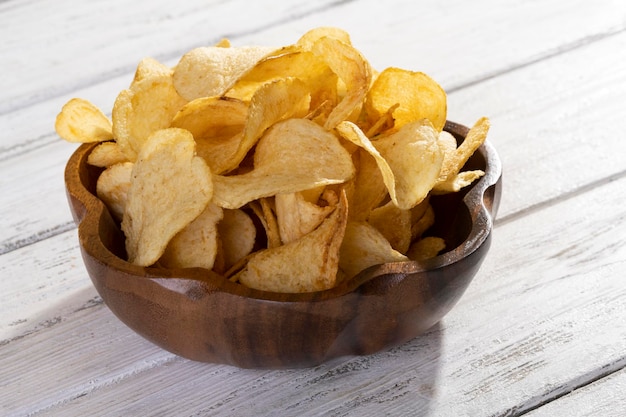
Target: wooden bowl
199	315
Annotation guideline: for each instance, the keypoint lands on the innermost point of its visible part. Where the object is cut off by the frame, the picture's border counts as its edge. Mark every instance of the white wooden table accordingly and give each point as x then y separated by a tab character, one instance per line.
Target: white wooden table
540	332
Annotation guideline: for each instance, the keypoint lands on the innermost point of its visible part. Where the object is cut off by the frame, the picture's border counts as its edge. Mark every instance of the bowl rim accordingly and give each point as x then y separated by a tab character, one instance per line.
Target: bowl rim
88	211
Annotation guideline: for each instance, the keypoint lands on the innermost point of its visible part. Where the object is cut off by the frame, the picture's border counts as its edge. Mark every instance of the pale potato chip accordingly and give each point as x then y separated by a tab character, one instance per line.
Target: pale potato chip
151	68
426	248
418	95
304	265
106	154
211	71
277	100
210	117
81	122
369	189
112	188
238	235
149	105
309	38
293	155
296	217
409	159
422	218
364	246
195	246
394	224
170	187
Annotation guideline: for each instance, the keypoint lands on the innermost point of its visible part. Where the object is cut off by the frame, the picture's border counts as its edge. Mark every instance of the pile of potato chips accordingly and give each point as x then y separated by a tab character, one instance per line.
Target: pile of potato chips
286	169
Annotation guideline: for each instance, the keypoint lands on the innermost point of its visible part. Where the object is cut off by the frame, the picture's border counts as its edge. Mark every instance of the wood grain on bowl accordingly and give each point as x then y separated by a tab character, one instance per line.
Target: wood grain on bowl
200	315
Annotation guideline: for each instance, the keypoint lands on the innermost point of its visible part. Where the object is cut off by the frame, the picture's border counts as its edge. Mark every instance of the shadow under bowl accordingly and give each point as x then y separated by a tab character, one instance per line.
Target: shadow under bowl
200	315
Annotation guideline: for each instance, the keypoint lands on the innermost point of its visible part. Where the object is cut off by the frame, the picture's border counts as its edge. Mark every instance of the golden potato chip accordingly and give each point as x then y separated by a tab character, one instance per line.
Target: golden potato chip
81	122
304	265
394	224
320	80
364	246
418	95
274	101
426	248
211	71
170	187
352	69
450	177
112	187
296	217
149	105
106	154
195	246
293	155
238	235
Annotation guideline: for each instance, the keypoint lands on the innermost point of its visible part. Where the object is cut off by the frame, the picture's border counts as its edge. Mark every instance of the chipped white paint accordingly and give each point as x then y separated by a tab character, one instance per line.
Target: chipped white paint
542	327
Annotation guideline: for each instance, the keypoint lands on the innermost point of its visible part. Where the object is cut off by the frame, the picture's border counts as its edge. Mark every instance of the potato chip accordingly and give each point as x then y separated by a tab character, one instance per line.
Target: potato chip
149	105
296	217
369	189
278	100
309	38
394	224
151	68
195	246
418	95
304	265
81	122
409	159
106	154
170	187
211	71
320	80
237	234
112	187
352	69
210	117
364	246
426	248
450	177
293	155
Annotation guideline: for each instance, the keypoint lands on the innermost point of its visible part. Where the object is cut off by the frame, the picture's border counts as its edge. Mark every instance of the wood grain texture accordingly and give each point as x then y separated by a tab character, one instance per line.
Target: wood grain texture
548	74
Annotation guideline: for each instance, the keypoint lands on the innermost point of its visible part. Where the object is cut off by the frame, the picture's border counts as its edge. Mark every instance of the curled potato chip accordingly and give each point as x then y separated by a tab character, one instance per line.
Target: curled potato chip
195	246
296	216
147	106
211	71
409	159
237	234
352	69
309	38
293	155
450	177
304	265
209	117
394	224
81	122
151	68
369	189
418	97
364	246
170	187
106	154
277	100
112	187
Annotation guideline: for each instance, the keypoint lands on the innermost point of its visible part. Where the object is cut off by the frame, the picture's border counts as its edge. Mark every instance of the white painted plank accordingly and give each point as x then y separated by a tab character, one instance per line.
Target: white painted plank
605	397
116	34
546	313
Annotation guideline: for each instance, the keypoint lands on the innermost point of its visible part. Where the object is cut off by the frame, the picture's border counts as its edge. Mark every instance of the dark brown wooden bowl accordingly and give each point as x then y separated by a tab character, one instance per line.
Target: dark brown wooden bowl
202	316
